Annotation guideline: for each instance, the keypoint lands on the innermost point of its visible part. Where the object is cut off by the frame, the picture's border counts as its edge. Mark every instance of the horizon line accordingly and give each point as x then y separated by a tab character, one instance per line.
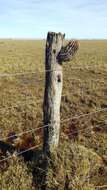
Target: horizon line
22	38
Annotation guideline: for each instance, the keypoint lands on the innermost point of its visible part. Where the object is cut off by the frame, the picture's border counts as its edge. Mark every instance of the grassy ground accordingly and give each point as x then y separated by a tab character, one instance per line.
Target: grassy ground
84	91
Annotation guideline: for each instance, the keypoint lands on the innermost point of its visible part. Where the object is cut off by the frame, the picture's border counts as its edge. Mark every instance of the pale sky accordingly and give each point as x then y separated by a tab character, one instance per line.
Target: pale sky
34	18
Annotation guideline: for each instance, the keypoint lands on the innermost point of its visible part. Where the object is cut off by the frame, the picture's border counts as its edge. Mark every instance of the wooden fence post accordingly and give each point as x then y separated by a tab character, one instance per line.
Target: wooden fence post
55	54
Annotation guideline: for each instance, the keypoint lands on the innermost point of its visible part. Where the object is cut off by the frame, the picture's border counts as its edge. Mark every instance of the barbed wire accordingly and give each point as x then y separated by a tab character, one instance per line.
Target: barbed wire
22	133
87	114
62	121
19	153
36	146
65	120
82	130
41	169
44	71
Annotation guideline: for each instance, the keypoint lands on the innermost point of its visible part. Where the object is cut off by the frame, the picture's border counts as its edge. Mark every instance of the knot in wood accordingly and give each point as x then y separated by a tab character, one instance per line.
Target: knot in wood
59	78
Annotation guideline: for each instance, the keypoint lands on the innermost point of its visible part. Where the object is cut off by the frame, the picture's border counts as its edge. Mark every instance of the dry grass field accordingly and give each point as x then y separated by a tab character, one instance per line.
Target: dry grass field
83	141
